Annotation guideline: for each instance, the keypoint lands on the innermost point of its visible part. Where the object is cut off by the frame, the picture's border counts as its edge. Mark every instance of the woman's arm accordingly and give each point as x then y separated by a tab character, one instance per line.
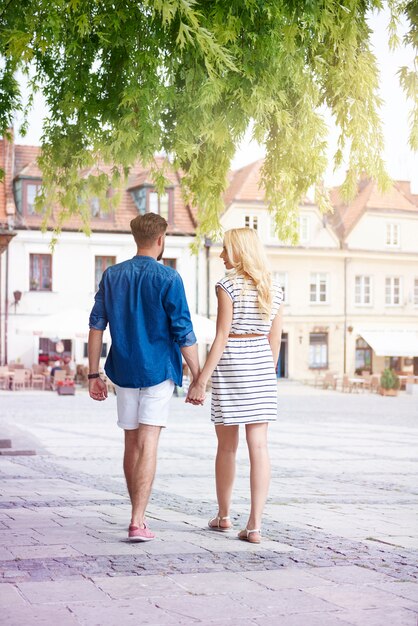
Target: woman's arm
223	325
275	336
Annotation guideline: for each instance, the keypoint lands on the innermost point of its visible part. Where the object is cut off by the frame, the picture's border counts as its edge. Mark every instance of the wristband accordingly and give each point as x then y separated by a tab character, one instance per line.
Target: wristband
90	376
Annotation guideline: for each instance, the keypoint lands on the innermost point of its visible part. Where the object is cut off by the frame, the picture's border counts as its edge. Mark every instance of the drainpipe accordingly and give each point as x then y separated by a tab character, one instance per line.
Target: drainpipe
1	324
207	248
197	284
6	306
345	315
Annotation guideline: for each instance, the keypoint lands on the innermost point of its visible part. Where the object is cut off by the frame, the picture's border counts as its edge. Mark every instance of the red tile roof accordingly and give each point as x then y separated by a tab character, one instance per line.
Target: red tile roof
369	197
25	166
245	184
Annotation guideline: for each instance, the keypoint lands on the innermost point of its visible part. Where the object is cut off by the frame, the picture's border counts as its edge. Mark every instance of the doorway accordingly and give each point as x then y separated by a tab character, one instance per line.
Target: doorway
282	368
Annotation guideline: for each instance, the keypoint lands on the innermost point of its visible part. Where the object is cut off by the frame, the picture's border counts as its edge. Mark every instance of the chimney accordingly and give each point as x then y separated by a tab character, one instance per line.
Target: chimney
9	167
404	186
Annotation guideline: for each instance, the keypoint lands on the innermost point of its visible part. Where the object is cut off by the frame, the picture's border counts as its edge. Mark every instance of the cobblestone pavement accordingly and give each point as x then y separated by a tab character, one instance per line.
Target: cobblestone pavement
340	542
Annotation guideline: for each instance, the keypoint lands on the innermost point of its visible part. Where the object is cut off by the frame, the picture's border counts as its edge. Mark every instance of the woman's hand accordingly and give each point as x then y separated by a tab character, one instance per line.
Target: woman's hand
196	393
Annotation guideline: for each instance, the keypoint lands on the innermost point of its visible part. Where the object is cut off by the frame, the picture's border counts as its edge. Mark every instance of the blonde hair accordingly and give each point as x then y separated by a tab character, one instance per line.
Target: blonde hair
248	258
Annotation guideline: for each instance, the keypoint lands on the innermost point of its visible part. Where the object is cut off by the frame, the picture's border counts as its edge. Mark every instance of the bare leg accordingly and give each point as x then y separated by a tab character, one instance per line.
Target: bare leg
259	471
225	468
130	458
144	471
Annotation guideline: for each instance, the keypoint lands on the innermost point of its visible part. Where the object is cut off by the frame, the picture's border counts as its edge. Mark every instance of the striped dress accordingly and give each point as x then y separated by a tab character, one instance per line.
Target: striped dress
244	383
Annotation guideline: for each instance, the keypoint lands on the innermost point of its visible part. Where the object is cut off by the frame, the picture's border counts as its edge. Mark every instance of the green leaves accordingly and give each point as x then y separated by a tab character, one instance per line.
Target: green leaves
124	81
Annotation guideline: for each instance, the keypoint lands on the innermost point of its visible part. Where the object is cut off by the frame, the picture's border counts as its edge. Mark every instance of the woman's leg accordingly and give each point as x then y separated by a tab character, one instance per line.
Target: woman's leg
259	471
225	468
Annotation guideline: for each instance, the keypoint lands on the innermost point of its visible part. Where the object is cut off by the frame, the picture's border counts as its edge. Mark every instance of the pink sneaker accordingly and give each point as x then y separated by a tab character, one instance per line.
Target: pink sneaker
140	534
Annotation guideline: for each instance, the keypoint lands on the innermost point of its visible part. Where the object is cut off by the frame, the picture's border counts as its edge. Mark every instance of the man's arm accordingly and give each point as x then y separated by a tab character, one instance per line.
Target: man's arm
191	356
97	387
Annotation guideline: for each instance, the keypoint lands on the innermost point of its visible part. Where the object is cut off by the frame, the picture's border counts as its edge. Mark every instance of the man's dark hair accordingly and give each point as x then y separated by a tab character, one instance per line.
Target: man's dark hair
147	228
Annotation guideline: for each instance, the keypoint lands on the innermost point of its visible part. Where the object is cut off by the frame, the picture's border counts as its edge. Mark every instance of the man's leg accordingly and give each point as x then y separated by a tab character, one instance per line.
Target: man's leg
144	471
130	458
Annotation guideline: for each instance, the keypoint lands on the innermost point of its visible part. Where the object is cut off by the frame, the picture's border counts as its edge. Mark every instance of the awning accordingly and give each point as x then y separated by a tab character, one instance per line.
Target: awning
204	329
392	342
66	324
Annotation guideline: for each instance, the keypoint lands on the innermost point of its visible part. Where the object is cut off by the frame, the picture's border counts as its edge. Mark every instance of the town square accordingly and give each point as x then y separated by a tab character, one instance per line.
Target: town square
208	313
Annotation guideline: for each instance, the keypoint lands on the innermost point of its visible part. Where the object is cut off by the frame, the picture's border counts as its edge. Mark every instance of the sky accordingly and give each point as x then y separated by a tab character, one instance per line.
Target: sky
401	163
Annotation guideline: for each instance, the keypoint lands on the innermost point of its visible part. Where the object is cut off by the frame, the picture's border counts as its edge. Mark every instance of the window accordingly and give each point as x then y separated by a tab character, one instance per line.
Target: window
318	293
48	350
363	356
25	194
318	350
139	196
97	211
101	263
392	235
251	221
103	354
304	228
393	291
416	292
147	200
362	291
170	263
159	204
40	272
281	278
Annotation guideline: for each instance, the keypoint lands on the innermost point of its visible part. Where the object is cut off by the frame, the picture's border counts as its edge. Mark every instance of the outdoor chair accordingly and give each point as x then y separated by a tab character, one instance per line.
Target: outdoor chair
28	378
330	381
374	383
4	377
18	380
81	375
346	385
367	380
37	381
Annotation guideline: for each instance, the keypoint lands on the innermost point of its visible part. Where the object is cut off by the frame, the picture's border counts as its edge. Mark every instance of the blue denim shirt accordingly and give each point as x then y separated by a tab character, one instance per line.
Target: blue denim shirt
149	320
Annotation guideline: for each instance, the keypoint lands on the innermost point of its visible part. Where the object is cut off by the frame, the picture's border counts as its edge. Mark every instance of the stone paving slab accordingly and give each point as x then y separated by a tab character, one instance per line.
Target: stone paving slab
379	617
126	612
366	597
39	615
59	592
305	619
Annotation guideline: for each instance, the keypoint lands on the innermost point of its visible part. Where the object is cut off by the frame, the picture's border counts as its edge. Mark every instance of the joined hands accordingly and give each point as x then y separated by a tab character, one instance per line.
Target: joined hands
196	393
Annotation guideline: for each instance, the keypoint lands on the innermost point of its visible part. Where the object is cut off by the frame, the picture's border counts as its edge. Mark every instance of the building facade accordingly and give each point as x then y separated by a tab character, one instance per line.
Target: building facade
46	295
351	284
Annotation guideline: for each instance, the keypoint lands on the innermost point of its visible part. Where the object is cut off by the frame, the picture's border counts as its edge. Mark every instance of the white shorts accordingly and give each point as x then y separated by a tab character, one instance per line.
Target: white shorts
146	405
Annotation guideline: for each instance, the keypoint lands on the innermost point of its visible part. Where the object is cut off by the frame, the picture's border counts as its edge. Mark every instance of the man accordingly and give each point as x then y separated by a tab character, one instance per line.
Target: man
149	320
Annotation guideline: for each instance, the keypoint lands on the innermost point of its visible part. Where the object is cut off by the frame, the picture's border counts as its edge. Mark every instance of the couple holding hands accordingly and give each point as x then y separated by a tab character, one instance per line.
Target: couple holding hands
145	305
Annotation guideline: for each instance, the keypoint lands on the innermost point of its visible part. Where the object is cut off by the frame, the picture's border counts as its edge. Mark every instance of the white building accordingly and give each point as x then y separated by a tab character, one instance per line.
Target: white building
50	294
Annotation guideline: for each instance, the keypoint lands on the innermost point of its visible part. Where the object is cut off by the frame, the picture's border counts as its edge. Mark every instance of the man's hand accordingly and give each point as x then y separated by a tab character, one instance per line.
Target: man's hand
97	389
196	393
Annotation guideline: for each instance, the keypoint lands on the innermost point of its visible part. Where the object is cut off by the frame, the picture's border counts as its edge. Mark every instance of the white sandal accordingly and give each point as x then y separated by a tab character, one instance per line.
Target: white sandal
217	525
245	535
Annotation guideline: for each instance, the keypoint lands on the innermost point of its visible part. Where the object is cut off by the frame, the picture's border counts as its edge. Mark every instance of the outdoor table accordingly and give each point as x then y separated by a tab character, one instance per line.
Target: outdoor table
358	383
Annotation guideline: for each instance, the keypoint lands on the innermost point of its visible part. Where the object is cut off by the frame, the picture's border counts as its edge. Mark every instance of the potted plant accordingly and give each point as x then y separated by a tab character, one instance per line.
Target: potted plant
66	387
389	383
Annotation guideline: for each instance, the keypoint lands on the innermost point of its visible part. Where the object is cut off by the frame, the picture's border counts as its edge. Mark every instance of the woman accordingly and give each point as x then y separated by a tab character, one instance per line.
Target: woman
242	363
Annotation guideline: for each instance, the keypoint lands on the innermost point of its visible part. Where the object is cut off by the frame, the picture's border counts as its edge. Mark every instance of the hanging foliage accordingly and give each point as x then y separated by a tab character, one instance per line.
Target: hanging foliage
124	80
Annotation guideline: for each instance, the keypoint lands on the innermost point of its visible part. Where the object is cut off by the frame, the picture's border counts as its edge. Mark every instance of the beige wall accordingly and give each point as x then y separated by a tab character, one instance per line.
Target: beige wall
370	232
365	253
